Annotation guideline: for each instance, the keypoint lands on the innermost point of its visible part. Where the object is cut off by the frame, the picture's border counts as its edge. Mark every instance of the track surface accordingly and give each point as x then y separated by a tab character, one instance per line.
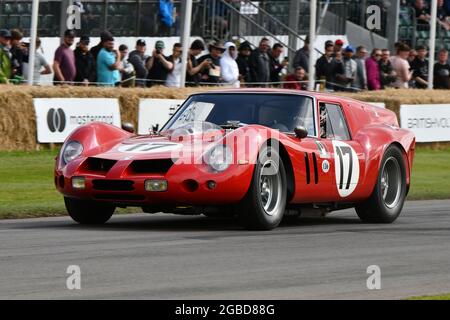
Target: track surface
175	257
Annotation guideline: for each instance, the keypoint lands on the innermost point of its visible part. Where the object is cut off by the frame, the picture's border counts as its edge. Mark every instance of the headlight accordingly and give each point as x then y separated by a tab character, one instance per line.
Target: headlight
219	157
72	150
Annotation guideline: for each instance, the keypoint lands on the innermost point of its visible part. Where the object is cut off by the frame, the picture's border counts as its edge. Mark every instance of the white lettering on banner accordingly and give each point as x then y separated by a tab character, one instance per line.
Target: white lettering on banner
57	117
154	113
430	123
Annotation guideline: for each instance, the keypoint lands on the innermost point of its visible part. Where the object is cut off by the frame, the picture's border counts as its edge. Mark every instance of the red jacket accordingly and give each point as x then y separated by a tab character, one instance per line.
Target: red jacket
292	83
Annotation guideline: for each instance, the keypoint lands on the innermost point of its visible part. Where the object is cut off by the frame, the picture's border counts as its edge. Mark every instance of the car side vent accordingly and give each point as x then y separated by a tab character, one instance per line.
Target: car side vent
308	176
98	164
159	166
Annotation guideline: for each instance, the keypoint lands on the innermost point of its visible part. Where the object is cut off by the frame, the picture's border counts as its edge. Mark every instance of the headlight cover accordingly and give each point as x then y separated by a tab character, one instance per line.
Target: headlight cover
219	158
72	150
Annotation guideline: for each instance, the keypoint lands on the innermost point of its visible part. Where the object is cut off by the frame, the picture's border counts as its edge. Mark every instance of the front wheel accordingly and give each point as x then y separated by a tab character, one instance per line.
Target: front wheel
88	212
263	206
388	196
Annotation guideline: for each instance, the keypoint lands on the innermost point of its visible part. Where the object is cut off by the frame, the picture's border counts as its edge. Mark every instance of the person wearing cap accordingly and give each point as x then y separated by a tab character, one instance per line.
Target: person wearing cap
64	61
301	58
212	72
338	45
41	66
158	65
137	58
193	66
346	75
373	70
243	62
5	56
84	62
108	64
259	63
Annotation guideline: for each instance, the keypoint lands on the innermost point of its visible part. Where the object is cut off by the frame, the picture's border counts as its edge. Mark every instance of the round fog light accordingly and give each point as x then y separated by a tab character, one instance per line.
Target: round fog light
211	184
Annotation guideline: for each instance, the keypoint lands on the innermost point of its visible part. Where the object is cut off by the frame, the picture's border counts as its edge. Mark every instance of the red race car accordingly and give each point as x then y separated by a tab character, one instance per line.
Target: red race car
255	153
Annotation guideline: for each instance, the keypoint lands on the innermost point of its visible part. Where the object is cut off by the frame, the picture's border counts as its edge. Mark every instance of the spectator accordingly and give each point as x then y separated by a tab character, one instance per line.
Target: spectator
166	13
158	65
127	73
412	55
41	66
325	67
194	68
228	66
108	64
442	14
361	76
174	76
422	13
419	66
387	72
212	72
243	62
137	58
18	53
96	49
296	80
349	67
64	62
401	67
339	80
259	63
84	62
301	58
373	70
338	44
441	71
5	56
276	67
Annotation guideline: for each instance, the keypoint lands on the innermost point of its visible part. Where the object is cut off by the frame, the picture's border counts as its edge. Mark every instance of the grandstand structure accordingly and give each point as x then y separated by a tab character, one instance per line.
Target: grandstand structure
227	19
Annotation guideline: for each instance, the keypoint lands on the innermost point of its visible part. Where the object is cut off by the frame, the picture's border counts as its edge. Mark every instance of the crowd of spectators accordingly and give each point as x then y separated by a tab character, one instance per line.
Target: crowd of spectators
340	68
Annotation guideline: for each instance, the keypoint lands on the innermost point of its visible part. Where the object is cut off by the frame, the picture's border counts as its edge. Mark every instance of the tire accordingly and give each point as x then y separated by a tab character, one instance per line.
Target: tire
387	199
264	204
88	212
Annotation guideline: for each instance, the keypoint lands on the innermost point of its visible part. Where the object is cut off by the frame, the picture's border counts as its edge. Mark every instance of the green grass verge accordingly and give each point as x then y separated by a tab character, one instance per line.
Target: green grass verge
27	190
437	297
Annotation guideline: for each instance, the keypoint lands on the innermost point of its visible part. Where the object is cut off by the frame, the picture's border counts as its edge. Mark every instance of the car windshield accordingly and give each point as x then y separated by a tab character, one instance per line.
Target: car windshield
278	111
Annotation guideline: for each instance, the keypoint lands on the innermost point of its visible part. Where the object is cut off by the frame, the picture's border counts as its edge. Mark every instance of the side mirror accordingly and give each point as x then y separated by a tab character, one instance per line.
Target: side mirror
128	126
301	132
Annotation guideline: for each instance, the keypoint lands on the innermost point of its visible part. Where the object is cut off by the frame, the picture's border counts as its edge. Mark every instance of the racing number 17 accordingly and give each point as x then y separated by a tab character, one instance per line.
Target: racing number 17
341	152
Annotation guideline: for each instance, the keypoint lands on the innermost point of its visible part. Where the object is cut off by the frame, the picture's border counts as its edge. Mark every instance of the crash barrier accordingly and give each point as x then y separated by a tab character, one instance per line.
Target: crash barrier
18	125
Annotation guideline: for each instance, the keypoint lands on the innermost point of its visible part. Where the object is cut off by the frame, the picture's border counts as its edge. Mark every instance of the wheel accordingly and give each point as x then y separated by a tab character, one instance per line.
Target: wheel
263	206
88	212
388	196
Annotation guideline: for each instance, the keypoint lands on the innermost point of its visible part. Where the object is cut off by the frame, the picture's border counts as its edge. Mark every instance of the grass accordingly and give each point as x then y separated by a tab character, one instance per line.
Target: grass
27	190
437	297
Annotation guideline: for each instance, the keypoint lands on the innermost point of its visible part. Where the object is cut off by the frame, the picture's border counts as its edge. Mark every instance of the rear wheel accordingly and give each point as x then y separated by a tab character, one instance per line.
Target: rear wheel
388	196
263	206
88	212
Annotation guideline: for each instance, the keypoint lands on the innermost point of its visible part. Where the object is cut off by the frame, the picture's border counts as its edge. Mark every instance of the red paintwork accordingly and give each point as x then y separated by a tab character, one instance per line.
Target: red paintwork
372	129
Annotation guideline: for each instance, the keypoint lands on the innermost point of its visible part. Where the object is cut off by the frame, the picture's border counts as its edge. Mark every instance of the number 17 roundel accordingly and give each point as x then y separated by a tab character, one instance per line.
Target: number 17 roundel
346	166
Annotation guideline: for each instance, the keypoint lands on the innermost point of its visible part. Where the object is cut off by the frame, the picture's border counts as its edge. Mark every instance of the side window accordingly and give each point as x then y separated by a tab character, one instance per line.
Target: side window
332	123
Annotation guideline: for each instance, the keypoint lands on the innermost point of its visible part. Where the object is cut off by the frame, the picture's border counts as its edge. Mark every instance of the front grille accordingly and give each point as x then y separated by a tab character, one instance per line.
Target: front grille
113	185
155	166
119	197
98	164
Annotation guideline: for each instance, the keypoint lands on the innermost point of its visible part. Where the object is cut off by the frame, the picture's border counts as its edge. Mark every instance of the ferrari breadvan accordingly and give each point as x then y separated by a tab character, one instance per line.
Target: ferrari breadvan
257	154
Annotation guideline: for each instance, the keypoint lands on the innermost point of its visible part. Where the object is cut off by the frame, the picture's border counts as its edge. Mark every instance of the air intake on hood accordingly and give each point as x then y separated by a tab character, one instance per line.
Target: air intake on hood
155	166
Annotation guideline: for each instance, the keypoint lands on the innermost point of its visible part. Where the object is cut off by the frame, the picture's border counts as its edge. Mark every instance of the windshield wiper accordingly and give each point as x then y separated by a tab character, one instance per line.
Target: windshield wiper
233	124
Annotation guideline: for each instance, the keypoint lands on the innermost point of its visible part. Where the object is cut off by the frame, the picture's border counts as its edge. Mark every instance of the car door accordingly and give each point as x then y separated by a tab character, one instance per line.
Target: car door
346	157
